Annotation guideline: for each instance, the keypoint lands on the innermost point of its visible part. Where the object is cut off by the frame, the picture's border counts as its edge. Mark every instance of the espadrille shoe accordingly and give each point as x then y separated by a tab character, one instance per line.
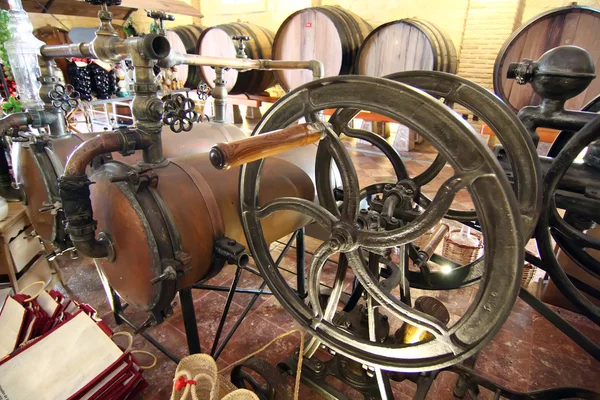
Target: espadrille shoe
196	378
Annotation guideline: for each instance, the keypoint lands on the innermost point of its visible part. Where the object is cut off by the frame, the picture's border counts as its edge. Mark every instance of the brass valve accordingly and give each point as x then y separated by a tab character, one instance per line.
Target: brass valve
241	48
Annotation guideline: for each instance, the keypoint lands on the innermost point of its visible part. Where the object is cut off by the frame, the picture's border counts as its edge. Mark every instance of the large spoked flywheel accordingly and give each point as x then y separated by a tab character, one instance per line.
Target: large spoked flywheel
475	169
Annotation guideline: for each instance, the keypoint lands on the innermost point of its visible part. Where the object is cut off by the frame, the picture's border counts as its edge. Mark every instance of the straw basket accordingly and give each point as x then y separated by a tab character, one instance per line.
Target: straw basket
528	273
460	253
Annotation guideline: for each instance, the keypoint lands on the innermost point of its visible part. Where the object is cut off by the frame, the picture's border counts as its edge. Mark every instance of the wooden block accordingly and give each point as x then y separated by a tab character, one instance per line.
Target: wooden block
15	222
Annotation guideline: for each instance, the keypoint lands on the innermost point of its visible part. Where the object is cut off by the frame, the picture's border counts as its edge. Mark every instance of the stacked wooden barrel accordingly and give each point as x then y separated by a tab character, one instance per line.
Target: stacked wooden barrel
217	41
329	34
406	45
184	39
571	25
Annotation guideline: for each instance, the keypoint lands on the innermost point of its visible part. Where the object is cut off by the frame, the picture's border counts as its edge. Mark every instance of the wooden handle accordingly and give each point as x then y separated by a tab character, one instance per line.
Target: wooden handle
227	155
434	241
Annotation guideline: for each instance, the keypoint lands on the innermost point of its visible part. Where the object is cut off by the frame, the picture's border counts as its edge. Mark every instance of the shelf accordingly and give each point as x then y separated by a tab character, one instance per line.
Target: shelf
70	7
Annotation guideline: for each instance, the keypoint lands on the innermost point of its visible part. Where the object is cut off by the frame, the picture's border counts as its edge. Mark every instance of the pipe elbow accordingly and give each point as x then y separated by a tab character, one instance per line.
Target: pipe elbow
74	192
14	120
172	59
317	68
155	47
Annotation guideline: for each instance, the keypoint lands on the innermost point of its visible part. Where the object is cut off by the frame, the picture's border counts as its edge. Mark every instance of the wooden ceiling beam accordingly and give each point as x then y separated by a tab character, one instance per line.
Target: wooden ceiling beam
70	7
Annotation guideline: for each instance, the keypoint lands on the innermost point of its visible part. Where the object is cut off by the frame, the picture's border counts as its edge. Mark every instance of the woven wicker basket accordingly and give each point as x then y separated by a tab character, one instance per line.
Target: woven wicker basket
528	274
460	253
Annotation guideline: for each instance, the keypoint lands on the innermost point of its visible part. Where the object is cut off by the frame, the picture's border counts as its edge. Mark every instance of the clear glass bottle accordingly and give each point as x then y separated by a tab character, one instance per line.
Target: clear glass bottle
23	50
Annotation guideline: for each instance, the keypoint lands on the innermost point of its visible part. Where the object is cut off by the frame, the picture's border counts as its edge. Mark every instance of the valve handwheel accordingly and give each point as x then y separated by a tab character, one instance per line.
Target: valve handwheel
475	169
64	97
179	113
203	91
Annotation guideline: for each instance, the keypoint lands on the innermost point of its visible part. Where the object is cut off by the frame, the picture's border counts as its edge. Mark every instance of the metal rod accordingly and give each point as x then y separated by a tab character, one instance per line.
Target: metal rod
150	339
228	288
176	58
217	353
236	279
235	326
300	263
189	320
581	340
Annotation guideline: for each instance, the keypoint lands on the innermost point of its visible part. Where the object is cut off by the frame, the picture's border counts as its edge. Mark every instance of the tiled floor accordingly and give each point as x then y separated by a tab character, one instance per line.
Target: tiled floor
527	354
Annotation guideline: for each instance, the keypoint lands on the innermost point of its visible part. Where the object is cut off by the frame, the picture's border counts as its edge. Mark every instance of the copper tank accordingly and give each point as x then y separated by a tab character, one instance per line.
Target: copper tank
181	208
38	166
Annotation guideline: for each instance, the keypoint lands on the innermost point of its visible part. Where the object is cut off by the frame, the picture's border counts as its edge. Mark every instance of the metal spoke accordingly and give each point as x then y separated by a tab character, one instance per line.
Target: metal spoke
426	221
399	310
313	210
379	142
320	257
373	338
342	159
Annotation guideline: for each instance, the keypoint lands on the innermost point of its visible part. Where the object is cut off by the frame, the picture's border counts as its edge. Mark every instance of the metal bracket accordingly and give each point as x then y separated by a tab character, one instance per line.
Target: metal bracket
230	250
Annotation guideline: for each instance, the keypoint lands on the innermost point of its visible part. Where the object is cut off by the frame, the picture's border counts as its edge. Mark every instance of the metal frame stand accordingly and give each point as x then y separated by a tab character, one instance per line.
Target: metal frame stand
187	304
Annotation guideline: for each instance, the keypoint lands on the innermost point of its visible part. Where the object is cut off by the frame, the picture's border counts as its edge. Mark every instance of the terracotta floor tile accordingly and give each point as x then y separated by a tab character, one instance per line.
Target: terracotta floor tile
507	357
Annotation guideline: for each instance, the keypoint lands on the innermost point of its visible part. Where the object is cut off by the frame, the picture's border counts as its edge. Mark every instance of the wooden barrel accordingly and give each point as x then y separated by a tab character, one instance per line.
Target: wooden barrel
571	25
53	35
216	41
329	34
184	39
405	45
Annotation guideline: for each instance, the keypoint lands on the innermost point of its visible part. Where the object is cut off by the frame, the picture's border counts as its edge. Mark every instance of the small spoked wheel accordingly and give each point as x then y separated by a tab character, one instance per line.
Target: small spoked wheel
475	169
517	146
569	238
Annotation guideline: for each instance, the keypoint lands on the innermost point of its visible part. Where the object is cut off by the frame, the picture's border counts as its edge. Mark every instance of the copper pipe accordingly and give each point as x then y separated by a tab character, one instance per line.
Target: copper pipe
83	154
111	48
176	58
243	151
74	190
16	119
80	50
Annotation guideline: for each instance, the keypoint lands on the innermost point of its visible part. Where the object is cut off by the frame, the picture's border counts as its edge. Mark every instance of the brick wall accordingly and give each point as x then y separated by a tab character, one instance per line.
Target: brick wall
486	28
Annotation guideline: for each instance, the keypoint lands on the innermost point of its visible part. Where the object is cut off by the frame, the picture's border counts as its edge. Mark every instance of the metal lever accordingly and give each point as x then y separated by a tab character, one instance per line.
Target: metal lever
241	48
232	154
159	17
